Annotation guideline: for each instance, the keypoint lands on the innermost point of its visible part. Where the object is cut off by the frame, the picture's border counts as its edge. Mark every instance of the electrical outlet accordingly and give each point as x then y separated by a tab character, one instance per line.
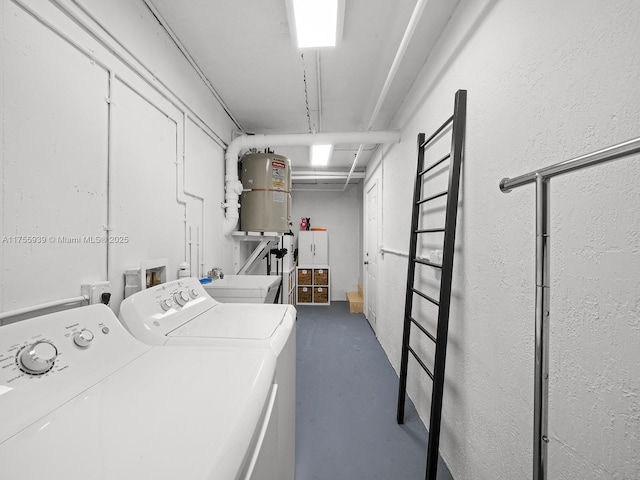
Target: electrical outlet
99	292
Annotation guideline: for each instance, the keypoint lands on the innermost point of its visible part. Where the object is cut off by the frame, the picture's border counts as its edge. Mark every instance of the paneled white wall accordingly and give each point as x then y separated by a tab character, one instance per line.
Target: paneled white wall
546	81
106	129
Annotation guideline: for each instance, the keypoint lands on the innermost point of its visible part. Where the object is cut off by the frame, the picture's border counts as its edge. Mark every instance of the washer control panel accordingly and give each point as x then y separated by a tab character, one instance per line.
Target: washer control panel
152	313
176	296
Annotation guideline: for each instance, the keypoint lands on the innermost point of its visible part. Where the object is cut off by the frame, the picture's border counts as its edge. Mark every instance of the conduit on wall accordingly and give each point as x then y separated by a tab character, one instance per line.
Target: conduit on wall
233	186
135	64
182	197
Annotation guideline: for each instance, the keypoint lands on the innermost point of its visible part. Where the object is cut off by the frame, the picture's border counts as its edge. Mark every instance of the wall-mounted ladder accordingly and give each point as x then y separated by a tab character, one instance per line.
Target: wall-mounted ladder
457	122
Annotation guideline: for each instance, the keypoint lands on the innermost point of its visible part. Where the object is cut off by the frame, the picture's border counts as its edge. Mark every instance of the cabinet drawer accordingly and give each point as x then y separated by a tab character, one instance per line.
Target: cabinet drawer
320	295
320	276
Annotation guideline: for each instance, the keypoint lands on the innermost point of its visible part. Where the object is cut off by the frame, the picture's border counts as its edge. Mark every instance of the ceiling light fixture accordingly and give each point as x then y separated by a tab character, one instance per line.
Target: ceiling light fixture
320	155
317	23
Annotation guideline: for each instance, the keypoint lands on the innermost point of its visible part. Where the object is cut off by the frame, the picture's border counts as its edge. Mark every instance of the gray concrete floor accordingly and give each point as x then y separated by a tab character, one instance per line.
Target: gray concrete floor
346	404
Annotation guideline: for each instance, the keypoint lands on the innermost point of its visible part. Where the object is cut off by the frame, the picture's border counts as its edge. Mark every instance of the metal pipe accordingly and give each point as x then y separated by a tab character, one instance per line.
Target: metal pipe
318	189
163	23
384	250
353	167
541	380
391	75
319	83
312	174
613	152
402	48
183	194
136	66
110	173
42	306
323	176
542	179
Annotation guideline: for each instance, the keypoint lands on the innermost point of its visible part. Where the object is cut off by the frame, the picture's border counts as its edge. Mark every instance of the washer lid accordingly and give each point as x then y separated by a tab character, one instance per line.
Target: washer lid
235	320
173	413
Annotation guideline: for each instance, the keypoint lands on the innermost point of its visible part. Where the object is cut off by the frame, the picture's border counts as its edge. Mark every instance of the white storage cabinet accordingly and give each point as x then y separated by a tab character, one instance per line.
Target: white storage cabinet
313	248
313	272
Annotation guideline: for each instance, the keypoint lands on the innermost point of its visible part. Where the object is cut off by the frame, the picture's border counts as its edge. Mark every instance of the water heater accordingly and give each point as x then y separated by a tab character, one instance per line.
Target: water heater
265	204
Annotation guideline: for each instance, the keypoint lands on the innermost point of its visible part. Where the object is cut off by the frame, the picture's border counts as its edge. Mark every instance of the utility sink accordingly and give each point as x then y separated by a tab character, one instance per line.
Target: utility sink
244	288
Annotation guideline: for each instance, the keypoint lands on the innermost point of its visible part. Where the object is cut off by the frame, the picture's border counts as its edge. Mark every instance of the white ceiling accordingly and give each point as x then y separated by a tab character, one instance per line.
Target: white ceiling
245	50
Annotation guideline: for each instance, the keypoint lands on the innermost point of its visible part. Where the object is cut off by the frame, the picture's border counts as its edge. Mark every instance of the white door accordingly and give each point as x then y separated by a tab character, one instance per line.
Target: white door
371	254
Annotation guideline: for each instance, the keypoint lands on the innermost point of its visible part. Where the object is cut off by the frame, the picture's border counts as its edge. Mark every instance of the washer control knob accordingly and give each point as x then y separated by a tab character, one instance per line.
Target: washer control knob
166	304
37	358
193	292
83	338
181	298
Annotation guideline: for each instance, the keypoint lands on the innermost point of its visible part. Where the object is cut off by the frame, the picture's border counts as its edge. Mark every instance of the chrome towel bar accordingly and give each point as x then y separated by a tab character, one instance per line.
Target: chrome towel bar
542	179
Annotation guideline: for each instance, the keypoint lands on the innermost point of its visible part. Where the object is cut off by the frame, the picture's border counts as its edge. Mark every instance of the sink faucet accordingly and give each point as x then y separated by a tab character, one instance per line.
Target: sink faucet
215	272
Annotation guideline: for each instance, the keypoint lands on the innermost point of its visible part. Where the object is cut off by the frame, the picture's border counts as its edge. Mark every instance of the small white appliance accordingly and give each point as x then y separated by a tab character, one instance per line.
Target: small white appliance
181	313
244	288
80	398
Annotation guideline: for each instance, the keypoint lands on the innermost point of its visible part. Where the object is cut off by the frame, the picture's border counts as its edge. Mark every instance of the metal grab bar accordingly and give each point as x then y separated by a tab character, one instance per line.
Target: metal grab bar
384	250
606	154
542	179
42	306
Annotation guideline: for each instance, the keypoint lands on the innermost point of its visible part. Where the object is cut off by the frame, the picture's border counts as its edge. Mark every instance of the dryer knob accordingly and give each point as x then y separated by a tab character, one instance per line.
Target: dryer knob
37	358
181	298
83	338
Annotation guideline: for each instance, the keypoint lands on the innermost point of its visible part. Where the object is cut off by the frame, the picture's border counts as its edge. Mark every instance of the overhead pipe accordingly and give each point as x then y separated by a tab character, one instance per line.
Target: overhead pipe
324	175
391	75
353	167
233	186
165	25
319	89
402	48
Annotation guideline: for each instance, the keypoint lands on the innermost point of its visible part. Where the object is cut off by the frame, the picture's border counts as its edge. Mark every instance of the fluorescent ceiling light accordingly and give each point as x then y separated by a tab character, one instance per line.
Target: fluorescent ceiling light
320	154
316	22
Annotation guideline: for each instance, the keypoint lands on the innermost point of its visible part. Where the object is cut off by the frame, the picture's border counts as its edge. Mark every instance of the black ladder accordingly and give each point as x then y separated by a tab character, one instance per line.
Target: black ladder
457	122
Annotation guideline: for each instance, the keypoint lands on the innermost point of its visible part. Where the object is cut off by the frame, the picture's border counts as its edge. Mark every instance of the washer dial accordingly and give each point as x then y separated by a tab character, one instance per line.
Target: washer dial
37	358
181	298
166	304
83	338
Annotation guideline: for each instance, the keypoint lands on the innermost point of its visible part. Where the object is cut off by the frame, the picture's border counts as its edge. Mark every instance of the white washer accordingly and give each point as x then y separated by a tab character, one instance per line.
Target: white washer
80	398
181	313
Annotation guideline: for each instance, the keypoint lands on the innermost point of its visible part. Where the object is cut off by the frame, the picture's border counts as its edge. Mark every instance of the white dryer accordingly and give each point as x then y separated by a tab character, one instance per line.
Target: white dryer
80	398
180	312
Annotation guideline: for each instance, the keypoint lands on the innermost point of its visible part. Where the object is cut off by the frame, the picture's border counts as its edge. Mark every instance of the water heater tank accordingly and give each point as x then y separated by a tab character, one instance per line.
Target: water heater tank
265	204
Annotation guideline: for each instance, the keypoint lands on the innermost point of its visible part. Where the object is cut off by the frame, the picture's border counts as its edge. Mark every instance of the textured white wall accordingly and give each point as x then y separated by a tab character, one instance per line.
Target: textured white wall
57	134
340	213
546	81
